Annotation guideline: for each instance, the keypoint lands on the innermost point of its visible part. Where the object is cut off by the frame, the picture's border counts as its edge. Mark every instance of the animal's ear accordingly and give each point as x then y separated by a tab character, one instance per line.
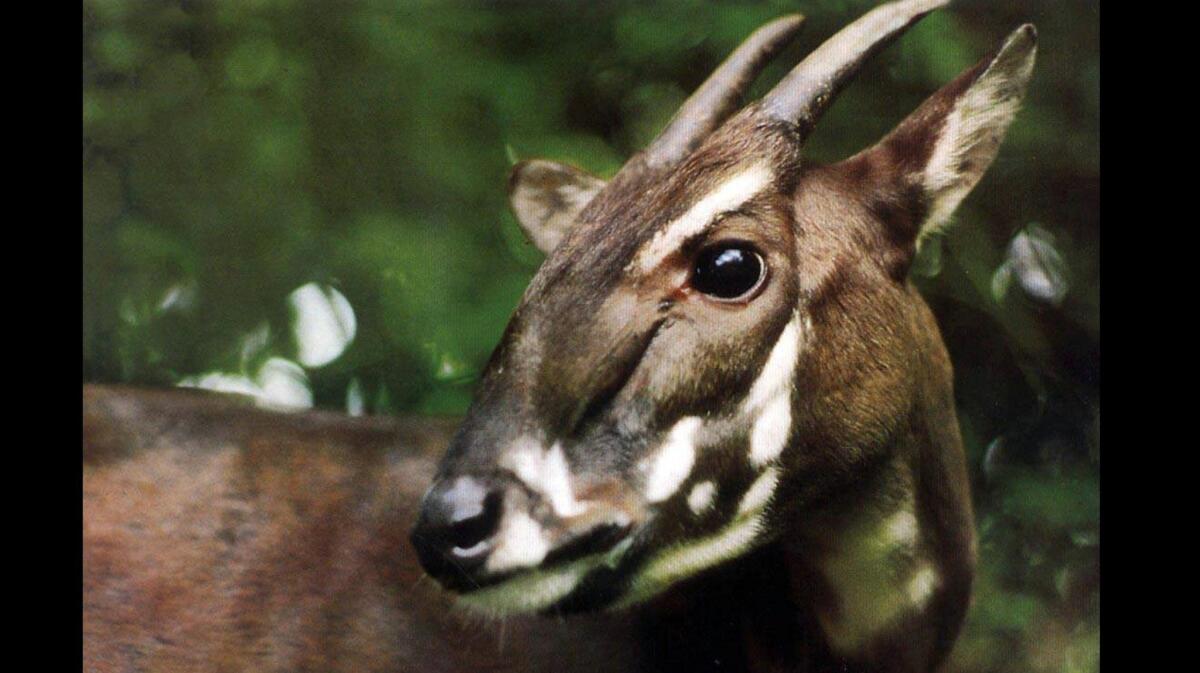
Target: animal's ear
546	196
939	153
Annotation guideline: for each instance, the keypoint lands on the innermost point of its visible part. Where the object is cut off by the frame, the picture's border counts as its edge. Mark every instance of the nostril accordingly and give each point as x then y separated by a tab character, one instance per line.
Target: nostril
470	528
454	536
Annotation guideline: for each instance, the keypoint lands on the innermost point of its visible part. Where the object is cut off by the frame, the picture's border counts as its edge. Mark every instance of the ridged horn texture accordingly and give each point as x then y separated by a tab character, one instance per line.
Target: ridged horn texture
720	95
806	92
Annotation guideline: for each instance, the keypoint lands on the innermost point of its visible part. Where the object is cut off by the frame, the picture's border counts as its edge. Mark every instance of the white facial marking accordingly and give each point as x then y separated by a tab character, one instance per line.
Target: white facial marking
690	558
729	195
777	373
760	492
540	588
667	469
521	543
557	481
525	458
770	434
921	586
545	472
701	496
770	397
613	556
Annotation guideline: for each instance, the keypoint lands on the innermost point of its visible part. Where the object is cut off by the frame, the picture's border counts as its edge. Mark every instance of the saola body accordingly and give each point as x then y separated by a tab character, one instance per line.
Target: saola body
720	427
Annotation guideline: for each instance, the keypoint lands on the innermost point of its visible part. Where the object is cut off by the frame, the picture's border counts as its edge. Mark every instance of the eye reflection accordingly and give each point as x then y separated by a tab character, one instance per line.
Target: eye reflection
728	271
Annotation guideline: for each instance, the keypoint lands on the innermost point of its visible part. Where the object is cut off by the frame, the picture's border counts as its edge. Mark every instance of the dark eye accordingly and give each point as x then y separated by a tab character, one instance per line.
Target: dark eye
728	271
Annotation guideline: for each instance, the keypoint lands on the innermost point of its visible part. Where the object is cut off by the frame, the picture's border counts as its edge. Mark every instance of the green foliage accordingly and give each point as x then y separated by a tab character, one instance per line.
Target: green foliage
236	151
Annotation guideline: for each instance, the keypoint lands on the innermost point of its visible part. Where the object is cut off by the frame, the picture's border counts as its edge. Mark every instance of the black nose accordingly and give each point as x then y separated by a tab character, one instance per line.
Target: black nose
453	537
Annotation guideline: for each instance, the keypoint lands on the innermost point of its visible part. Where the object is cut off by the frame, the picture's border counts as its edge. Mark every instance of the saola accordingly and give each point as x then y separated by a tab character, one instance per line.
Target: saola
722	352
719	430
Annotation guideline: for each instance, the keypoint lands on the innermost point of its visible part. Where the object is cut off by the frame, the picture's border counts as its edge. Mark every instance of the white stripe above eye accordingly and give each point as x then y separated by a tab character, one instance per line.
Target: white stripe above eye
730	195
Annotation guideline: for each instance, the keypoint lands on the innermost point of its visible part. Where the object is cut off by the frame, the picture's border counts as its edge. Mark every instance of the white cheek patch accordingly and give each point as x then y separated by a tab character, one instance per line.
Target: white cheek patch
545	472
685	560
667	469
759	494
522	543
728	196
701	496
770	434
688	558
770	398
769	402
541	588
777	373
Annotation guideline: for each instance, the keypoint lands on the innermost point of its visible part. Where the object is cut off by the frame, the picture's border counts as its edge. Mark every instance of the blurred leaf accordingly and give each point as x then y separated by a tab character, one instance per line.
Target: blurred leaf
1035	264
1055	501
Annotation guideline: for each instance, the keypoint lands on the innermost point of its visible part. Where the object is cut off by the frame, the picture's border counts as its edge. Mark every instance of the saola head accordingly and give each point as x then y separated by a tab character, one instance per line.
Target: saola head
719	335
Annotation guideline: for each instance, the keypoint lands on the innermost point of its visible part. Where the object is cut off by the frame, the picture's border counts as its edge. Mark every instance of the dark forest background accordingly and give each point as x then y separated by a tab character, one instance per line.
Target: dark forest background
304	201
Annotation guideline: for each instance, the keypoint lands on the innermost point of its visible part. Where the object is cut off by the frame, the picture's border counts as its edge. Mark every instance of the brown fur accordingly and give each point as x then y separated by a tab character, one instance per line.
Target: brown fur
220	537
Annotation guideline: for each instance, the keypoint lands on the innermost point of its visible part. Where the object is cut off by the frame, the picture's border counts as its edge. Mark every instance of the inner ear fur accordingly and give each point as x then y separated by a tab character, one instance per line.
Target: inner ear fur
926	166
546	196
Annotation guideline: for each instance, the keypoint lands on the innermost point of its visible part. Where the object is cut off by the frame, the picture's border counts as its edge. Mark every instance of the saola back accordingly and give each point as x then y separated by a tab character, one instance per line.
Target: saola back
222	537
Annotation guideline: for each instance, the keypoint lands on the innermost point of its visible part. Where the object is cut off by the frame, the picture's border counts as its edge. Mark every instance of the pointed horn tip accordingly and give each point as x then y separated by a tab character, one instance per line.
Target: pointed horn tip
788	21
812	84
918	9
914	7
929	5
784	28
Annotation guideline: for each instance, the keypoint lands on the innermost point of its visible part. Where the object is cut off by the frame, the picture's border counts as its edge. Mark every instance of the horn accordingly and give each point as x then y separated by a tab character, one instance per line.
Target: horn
803	95
721	93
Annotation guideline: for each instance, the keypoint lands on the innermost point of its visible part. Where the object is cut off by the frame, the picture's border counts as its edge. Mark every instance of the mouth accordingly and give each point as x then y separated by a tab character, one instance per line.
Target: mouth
598	540
522	556
582	574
